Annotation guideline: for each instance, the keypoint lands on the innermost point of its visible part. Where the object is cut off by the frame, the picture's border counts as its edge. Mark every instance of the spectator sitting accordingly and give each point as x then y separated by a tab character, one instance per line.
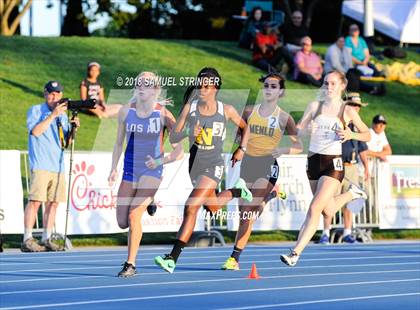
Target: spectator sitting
91	88
360	52
252	26
338	57
267	49
294	32
308	67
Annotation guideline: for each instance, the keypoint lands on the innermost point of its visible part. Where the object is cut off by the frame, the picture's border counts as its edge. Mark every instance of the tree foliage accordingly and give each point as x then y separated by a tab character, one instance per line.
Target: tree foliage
9	17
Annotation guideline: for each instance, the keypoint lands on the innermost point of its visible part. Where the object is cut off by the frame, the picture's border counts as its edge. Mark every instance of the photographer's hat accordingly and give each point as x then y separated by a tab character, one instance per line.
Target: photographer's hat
53	86
354	99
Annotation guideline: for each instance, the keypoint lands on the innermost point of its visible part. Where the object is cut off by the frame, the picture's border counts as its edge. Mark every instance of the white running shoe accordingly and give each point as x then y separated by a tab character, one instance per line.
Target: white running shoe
290	259
357	192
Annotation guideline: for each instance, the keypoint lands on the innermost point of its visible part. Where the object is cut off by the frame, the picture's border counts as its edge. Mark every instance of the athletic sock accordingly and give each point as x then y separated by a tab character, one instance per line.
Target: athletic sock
346	232
236	192
27	234
46	234
326	232
177	249
269	196
236	253
133	264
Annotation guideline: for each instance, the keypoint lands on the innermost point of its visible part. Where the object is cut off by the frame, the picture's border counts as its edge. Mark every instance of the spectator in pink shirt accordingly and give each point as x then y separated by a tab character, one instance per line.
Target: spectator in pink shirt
308	68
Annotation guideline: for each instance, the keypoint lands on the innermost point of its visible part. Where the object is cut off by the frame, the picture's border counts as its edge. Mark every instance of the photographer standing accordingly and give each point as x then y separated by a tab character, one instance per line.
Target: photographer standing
48	129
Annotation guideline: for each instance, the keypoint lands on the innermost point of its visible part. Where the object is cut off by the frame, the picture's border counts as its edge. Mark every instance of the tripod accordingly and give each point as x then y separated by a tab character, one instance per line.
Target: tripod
71	140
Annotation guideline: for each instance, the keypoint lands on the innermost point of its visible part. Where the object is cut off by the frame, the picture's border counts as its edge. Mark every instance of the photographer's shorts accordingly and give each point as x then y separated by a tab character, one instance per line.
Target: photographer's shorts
47	186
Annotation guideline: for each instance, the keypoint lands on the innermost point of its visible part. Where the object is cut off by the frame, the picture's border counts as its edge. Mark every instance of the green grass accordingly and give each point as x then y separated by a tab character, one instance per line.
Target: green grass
26	64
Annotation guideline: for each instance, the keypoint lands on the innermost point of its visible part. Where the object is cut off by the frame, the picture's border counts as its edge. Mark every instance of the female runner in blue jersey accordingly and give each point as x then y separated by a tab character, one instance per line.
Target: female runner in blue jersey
142	123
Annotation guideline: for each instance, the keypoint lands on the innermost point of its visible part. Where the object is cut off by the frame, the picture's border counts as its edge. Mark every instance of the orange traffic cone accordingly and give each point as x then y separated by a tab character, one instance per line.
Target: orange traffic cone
254	273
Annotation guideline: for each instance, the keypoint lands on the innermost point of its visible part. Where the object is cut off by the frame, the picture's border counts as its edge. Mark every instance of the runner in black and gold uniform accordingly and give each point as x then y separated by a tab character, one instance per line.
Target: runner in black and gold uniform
204	121
267	123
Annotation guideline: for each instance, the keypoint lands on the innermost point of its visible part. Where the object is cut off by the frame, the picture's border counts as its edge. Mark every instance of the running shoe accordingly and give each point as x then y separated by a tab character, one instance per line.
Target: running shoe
51	246
166	262
290	259
127	271
32	245
230	264
349	239
151	209
245	192
279	193
324	239
357	192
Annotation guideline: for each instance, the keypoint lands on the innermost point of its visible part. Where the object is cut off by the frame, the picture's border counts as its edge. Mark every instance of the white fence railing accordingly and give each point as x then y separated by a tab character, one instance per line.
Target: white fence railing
394	196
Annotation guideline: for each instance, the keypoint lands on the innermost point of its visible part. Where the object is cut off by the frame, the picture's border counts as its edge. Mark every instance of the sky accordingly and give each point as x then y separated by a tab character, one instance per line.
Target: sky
46	21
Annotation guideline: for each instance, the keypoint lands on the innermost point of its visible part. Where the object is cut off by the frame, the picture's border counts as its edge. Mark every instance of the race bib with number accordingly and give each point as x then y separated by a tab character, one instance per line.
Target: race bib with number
218	171
274	171
338	164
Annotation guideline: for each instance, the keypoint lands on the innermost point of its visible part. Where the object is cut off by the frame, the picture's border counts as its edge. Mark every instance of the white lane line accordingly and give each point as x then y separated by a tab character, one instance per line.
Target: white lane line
210	263
317	248
213	270
201	281
321	301
253	290
51	279
245	254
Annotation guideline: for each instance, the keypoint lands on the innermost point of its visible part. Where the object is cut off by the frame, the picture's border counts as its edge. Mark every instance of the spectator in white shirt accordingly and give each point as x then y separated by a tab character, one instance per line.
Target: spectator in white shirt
378	146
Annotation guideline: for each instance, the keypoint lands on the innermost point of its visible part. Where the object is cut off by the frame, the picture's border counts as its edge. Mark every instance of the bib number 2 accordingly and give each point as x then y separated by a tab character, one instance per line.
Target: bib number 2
274	171
338	164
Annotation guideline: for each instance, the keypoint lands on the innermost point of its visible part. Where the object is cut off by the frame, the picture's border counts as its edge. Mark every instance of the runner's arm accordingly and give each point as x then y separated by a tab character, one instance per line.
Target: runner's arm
116	154
178	133
177	152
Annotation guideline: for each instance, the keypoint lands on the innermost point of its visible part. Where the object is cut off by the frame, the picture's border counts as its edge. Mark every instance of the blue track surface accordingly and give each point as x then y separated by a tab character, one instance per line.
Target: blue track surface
374	276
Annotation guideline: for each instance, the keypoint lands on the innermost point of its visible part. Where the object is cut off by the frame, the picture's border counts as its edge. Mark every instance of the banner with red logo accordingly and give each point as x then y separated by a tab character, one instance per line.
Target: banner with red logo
399	192
93	202
11	193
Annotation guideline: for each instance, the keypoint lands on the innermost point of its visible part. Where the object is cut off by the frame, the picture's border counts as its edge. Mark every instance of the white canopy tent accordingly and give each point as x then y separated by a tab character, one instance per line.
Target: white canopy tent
398	19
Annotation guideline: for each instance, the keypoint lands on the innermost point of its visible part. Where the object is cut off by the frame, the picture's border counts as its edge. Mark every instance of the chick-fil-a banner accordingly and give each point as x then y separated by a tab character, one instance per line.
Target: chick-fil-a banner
93	202
11	193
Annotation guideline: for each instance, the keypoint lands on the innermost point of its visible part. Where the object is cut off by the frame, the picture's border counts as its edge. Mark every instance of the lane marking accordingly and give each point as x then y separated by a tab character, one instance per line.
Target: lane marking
246	254
200	281
210	263
111	300
319	248
319	301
